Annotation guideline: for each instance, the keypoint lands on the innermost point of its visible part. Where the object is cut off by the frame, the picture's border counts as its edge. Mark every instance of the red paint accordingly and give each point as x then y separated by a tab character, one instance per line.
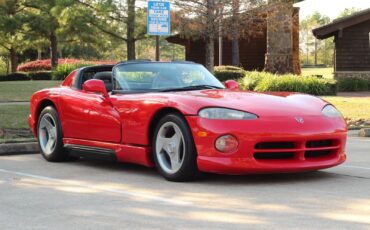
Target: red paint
95	86
231	84
121	123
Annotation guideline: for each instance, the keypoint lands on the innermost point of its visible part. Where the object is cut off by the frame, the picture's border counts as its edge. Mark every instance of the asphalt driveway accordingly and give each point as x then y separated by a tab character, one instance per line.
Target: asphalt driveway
86	194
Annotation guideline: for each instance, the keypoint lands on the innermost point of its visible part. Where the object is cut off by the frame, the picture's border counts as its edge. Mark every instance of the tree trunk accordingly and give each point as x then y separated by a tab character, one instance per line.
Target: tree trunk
210	53
315	51
210	36
54	50
131	17
235	33
7	65
13	60
235	52
39	53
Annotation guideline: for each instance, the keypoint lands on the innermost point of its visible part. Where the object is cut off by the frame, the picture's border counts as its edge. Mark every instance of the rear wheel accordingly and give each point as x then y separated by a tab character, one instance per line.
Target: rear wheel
174	149
50	136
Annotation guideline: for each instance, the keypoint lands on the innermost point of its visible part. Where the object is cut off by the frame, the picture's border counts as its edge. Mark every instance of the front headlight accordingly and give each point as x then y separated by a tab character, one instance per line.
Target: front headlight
226	114
331	111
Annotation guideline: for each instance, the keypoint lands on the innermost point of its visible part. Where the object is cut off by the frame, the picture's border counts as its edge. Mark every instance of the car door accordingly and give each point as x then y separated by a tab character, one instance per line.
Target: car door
89	116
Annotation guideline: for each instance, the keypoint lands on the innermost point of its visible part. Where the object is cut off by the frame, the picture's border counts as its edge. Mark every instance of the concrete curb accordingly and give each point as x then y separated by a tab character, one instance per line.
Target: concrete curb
364	133
19	148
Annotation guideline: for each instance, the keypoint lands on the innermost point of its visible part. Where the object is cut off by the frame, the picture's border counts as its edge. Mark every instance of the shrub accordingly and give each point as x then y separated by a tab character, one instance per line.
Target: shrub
42	75
45	65
264	82
224	73
62	71
15	77
353	84
251	80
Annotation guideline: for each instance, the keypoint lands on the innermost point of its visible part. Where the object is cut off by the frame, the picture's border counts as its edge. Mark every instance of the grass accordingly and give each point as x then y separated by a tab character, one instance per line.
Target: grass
22	90
14	116
352	107
325	72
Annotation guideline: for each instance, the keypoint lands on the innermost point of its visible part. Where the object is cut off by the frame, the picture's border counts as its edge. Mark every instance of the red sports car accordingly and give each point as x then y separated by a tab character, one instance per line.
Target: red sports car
178	117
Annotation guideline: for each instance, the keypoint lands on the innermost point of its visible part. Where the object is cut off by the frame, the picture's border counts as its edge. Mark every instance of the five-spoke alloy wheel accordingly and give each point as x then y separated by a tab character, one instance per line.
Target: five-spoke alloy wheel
49	133
174	149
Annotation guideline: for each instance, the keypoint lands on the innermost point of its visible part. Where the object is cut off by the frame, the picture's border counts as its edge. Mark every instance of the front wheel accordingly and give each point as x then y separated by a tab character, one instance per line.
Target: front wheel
174	149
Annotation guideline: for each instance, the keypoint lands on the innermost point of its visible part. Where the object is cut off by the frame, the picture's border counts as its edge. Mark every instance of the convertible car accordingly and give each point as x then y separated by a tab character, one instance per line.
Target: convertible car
177	117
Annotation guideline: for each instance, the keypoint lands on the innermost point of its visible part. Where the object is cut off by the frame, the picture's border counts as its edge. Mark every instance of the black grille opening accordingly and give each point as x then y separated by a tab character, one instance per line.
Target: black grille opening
315	154
273	156
275	145
319	144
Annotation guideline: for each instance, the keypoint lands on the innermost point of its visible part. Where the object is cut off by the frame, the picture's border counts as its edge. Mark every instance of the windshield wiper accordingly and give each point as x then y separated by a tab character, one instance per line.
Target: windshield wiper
192	87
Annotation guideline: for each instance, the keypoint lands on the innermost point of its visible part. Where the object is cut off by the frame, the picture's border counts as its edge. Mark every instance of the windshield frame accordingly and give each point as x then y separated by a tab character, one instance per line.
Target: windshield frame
114	70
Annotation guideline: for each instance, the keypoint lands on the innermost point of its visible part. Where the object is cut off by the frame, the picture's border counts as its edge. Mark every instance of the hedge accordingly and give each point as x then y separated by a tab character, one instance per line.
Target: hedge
15	77
45	75
224	73
42	75
353	84
264	82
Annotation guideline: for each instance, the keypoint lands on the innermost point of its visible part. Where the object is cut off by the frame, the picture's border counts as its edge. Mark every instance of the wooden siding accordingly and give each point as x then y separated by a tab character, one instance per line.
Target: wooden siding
353	48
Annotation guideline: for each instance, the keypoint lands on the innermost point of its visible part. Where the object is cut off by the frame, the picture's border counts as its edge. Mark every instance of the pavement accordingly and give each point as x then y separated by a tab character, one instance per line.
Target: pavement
90	194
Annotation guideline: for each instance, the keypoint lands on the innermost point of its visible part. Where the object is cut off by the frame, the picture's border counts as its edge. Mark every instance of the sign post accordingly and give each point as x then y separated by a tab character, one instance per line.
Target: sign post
159	21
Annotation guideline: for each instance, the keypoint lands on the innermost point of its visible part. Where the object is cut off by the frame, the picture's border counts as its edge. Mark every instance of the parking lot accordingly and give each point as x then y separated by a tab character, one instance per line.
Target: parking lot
89	194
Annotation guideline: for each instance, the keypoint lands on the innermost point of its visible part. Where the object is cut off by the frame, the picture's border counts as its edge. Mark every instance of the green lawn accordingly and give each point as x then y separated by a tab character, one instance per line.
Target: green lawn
352	107
325	72
22	90
14	116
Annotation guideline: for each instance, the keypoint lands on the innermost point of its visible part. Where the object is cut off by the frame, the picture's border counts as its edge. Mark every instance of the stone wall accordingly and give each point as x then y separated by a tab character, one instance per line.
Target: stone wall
345	74
282	38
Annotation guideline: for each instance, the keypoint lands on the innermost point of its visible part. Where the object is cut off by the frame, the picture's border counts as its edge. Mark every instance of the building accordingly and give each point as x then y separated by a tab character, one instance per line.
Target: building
273	44
352	44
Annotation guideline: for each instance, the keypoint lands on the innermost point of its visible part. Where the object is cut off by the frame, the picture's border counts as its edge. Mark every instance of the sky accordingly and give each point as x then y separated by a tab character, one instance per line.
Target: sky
331	8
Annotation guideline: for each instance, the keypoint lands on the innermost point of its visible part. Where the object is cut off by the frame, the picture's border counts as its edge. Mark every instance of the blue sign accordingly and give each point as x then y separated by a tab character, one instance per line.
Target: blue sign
159	18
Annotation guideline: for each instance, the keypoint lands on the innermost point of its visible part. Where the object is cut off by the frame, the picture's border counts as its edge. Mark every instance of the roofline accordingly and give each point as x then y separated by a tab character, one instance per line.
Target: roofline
331	29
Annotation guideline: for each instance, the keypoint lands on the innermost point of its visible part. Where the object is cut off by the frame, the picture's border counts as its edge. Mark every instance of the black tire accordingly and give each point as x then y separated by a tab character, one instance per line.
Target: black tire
59	153
188	170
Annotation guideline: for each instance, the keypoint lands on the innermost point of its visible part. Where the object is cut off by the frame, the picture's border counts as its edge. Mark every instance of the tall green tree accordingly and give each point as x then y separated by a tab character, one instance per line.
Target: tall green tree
12	30
121	20
45	21
348	11
308	41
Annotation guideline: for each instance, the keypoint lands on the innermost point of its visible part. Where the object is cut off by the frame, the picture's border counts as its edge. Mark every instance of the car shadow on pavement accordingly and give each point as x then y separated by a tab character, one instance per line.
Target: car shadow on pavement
209	178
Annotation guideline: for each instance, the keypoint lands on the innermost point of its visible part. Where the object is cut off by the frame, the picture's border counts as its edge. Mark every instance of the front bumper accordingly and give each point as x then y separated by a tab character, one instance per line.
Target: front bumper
32	124
317	144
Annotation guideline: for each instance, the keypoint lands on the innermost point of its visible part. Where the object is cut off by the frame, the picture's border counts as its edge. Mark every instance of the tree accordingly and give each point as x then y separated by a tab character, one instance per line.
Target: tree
12	37
119	19
45	20
348	11
204	21
240	18
308	41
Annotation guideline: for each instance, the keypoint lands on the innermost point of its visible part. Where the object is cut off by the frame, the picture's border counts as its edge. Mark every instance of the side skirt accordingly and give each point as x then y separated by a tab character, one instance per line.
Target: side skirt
91	152
103	150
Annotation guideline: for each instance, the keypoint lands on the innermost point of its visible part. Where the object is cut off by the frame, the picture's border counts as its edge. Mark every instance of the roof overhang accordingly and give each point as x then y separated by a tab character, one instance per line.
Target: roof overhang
337	26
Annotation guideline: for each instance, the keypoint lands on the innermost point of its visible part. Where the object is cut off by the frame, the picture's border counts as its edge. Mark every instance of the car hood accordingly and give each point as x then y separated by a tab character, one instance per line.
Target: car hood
261	104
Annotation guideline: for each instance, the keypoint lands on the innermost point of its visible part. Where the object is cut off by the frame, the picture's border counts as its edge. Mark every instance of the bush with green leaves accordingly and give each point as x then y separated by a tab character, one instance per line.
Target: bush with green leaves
265	82
224	73
63	70
353	84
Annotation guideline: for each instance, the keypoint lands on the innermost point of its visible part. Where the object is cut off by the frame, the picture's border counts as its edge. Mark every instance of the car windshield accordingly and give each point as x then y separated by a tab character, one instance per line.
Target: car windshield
154	77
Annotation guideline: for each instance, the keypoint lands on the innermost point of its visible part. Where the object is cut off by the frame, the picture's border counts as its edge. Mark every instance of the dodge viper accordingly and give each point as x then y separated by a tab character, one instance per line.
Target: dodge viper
177	117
